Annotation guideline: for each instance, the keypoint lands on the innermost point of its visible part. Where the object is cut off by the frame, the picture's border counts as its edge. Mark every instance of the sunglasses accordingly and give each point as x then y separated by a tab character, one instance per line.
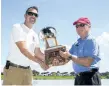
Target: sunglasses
32	14
80	25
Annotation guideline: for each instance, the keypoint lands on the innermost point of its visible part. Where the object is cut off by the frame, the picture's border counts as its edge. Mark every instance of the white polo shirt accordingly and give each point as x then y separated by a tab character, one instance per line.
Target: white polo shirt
20	32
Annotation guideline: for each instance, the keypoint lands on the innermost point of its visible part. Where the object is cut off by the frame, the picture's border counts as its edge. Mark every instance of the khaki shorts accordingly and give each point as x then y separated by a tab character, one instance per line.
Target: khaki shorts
17	76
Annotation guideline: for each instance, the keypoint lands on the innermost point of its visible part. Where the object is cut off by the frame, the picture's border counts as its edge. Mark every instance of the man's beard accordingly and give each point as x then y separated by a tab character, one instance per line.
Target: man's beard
32	20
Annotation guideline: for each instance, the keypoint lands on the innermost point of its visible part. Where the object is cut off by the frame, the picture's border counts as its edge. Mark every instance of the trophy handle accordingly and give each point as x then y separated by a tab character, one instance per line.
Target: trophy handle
56	41
47	45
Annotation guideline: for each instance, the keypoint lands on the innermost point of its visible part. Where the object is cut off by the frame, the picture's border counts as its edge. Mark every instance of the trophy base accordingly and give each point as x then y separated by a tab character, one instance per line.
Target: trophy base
53	53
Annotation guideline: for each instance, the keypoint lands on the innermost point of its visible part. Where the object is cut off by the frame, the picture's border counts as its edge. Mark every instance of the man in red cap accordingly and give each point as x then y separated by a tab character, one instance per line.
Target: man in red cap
85	55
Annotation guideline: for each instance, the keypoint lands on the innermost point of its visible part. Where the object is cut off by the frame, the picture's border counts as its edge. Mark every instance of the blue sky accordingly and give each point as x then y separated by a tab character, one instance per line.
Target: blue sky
57	13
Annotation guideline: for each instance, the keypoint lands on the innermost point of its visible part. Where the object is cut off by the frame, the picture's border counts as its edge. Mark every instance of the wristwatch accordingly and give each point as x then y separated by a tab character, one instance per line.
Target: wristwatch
70	57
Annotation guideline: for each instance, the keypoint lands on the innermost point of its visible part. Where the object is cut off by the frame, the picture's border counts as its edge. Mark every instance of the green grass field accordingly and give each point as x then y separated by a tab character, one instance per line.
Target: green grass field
53	77
50	77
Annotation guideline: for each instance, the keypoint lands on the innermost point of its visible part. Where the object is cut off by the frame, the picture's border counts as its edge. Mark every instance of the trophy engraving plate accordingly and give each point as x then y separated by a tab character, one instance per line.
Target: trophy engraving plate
53	53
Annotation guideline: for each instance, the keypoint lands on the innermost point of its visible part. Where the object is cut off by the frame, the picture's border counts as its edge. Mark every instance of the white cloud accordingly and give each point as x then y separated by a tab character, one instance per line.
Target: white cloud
103	41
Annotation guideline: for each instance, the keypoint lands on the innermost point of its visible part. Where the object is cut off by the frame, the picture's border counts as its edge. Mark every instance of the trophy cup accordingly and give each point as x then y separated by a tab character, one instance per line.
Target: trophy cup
48	35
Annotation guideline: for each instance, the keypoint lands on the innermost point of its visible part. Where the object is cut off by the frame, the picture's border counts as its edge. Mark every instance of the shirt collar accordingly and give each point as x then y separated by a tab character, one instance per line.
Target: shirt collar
26	28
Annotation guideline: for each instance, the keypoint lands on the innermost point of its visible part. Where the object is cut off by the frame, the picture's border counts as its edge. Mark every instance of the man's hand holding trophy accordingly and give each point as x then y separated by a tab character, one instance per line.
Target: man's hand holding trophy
52	55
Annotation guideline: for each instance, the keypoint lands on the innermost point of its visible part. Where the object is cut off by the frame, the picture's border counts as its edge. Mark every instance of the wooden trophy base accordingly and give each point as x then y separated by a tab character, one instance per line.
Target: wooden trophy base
53	53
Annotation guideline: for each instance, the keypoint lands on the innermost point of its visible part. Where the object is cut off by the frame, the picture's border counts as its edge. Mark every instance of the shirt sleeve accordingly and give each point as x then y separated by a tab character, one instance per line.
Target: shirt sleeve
71	50
18	33
91	49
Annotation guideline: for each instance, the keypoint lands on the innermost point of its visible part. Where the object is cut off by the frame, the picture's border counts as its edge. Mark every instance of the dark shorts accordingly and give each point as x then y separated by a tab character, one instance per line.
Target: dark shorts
88	78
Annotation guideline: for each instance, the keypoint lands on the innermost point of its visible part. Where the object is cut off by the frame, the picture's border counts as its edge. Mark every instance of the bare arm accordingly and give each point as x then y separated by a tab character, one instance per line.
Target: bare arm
85	61
23	49
39	54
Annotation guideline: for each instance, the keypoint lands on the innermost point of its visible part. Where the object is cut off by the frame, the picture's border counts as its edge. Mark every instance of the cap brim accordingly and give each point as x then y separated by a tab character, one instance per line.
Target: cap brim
79	22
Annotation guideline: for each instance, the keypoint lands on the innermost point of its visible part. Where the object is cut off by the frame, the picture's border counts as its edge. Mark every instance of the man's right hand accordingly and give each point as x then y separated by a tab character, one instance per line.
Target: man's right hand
40	57
42	64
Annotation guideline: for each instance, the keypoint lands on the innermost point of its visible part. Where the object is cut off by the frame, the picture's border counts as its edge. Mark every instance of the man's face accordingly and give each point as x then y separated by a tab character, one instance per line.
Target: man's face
31	16
82	29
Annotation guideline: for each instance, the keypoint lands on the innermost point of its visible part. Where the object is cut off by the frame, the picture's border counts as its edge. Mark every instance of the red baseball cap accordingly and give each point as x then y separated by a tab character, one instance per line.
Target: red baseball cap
83	20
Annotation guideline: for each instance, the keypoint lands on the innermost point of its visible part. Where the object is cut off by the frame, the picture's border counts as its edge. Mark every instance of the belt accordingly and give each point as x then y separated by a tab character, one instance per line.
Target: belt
88	72
8	63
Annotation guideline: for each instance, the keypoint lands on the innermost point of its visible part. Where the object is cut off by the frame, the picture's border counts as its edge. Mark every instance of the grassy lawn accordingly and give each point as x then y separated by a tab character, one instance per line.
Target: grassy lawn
1	77
50	77
53	77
